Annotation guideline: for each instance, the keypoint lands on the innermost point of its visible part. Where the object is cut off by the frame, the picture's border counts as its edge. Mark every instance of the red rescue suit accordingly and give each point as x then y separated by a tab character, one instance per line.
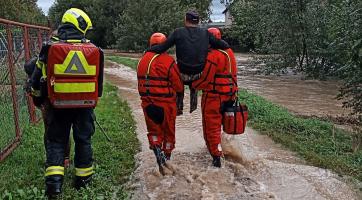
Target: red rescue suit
158	81
219	85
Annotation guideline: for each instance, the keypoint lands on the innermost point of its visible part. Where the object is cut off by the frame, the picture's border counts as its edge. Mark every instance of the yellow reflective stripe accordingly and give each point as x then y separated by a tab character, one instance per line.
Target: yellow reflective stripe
54	170
41	65
75	64
74	87
55	38
84	171
76	41
35	93
229	59
149	64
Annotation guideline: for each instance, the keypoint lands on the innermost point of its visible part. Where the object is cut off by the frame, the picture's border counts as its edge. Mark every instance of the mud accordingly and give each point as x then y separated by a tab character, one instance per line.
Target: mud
255	167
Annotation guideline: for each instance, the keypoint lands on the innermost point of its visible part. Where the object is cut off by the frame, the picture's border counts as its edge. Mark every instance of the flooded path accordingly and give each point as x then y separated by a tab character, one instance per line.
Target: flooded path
255	167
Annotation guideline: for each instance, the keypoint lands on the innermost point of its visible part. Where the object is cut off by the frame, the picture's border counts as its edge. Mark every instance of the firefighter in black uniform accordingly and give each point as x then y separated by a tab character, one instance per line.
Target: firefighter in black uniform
192	45
69	79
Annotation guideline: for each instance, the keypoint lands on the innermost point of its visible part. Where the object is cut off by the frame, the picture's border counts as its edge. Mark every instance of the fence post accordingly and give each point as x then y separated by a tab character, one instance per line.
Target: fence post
14	144
31	107
13	81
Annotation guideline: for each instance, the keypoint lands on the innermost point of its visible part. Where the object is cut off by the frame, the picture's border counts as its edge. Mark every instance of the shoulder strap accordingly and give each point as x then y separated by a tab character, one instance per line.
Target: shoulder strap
229	59
150	63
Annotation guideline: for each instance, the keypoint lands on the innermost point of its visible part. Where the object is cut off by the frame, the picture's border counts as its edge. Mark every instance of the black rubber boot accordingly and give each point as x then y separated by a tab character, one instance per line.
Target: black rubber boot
216	161
82	182
160	158
53	186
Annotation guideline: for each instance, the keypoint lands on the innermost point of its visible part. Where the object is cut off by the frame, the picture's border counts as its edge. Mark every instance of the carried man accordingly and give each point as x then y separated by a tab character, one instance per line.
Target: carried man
192	43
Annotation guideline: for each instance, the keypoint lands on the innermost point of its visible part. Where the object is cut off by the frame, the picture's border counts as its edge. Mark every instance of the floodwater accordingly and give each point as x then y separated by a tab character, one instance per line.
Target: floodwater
255	167
303	97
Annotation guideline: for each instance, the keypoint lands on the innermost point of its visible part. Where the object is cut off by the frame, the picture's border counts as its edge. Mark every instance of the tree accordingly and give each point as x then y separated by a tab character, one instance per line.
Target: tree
30	12
103	14
144	17
316	37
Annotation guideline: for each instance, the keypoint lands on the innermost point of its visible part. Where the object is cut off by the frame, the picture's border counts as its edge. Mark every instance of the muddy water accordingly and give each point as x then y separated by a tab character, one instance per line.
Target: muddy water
303	97
255	167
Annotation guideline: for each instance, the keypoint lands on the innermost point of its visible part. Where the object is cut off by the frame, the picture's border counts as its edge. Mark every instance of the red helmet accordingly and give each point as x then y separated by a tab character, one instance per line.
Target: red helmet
157	38
215	32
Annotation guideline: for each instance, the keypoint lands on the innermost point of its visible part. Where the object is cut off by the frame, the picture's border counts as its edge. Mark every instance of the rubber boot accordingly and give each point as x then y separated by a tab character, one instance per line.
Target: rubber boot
160	158
82	181
216	161
53	186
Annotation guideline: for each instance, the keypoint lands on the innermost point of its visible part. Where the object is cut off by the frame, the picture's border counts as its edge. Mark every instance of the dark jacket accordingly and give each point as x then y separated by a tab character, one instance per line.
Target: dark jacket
65	32
192	45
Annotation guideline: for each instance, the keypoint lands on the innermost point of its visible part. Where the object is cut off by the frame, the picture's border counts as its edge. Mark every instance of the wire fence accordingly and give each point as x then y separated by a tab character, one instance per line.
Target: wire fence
18	43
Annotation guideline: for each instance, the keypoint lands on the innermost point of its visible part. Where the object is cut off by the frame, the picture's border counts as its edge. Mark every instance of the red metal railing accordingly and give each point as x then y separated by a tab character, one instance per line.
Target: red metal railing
18	43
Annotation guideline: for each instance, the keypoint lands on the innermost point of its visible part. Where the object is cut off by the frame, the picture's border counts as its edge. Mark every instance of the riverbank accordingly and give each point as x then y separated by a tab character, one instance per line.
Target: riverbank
22	172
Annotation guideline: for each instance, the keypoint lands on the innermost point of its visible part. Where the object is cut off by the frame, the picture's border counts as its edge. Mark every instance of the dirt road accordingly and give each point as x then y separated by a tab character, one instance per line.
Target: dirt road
256	167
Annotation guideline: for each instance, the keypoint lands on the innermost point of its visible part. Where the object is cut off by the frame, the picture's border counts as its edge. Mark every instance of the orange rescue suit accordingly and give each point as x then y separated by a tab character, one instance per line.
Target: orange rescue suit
158	81
219	85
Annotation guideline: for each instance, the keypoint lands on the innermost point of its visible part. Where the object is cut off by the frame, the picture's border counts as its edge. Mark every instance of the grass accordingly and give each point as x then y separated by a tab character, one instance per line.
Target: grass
7	124
318	142
124	60
22	172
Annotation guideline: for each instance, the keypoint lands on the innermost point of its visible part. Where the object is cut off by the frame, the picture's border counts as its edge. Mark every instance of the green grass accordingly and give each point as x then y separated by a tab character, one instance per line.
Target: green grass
22	173
124	60
7	124
318	142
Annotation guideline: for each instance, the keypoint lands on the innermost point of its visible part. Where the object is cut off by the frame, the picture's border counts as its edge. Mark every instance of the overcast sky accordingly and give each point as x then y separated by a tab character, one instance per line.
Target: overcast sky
216	9
45	5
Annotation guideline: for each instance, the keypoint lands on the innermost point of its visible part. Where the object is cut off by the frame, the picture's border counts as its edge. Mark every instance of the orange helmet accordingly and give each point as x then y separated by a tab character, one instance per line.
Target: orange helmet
157	38
215	32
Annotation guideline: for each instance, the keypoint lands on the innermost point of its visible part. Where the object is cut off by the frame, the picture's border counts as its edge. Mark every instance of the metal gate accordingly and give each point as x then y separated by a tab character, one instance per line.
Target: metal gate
18	43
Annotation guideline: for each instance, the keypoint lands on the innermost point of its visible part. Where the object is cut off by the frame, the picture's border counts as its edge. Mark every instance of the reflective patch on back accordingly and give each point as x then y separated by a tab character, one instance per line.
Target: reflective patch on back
75	66
154	138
